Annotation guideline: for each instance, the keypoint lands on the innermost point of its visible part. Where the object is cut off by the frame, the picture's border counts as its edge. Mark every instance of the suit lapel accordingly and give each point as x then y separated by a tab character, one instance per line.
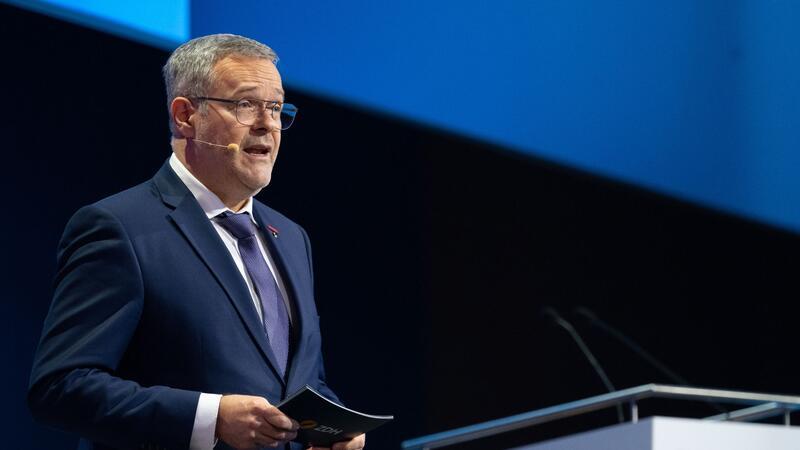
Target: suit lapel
198	230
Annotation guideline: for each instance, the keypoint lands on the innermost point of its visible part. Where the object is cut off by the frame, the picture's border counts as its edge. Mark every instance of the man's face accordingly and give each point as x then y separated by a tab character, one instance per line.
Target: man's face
236	175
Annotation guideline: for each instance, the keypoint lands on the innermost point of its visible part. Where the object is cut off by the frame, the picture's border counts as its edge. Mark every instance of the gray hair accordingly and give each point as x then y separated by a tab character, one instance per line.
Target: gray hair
189	71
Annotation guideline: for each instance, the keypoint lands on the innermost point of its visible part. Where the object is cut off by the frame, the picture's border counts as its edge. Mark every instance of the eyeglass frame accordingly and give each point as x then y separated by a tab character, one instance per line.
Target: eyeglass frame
292	108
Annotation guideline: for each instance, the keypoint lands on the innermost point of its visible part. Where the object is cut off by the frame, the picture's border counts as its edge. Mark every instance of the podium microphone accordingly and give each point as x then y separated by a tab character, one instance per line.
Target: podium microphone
553	315
633	346
638	349
232	147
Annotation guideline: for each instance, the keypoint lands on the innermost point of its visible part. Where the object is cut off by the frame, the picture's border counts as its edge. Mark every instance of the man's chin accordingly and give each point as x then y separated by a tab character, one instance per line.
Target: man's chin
255	186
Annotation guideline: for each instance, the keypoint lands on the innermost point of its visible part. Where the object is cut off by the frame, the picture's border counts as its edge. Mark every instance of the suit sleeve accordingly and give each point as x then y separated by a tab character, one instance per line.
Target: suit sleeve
97	303
322	387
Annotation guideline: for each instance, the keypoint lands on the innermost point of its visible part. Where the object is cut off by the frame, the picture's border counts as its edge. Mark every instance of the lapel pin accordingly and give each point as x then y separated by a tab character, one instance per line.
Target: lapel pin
273	230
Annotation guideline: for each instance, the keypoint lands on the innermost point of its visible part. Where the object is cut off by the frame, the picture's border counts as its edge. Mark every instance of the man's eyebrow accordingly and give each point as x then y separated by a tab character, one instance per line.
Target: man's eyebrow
242	90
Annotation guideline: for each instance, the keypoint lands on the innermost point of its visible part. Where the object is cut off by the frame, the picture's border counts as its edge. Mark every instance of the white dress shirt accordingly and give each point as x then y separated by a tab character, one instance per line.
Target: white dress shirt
205	419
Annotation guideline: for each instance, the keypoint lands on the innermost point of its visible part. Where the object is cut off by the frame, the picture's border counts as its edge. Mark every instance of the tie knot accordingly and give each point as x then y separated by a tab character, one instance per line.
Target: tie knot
239	225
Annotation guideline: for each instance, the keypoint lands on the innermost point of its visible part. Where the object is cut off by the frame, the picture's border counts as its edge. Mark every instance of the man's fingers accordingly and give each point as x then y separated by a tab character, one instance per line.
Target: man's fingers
270	438
263	440
276	435
357	443
280	420
266	428
272	425
247	422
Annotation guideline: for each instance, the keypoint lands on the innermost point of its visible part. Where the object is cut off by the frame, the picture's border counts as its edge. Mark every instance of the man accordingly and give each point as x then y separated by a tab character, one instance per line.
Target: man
183	308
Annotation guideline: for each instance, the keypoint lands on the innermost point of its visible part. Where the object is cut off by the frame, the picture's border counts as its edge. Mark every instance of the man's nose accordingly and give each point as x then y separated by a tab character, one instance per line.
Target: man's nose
268	120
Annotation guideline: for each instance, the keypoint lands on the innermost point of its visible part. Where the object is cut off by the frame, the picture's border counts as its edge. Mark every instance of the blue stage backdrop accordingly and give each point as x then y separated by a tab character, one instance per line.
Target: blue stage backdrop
161	23
697	100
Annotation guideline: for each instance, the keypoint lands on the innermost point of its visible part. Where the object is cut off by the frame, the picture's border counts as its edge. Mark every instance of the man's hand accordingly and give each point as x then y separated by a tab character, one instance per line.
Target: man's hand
247	422
357	443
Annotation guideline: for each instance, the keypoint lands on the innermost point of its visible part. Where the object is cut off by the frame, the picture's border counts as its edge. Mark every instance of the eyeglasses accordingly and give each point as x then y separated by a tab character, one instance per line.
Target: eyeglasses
248	110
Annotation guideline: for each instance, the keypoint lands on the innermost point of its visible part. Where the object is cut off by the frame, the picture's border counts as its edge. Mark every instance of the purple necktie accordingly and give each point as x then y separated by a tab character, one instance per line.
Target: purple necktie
276	319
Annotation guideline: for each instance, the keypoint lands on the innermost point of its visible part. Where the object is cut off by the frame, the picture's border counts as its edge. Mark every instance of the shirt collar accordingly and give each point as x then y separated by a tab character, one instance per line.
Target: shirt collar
208	200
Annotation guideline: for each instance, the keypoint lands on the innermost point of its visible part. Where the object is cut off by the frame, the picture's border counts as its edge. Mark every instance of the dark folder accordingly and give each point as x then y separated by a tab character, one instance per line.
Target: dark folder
323	422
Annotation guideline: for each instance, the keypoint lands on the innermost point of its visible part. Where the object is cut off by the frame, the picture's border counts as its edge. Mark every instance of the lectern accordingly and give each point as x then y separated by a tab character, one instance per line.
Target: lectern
669	433
727	431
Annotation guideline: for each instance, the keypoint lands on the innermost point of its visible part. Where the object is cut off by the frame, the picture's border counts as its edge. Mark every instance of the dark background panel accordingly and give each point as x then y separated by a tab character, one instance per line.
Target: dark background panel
434	254
710	294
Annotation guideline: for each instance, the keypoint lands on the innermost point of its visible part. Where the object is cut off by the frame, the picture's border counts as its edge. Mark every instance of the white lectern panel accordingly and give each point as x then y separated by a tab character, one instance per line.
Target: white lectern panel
667	433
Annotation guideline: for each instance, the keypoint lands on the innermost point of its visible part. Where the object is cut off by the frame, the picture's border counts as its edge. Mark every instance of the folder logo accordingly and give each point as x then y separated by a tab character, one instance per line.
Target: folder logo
308	424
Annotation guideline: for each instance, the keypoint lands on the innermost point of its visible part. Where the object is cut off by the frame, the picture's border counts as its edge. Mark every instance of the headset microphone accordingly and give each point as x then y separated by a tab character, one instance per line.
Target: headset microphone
232	147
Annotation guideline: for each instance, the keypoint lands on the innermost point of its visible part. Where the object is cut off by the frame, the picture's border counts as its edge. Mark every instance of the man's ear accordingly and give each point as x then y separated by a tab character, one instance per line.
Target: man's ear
183	113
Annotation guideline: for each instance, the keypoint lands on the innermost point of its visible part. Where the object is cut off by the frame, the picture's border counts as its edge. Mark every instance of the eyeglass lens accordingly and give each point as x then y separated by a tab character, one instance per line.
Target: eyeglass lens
247	112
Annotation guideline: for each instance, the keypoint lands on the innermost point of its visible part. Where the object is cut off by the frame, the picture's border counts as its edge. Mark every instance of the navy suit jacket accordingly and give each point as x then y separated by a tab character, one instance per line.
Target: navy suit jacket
150	309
